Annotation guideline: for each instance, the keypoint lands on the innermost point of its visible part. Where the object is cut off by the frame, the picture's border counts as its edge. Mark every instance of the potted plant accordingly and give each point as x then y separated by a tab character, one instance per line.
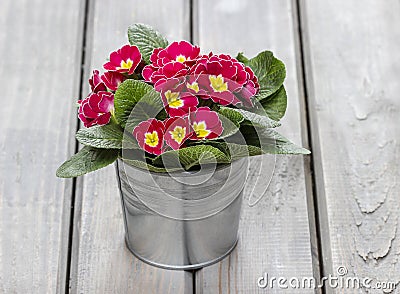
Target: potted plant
180	125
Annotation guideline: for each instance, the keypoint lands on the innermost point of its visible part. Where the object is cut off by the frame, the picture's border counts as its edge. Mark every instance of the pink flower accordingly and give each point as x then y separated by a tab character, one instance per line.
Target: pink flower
95	82
250	89
159	75
177	131
124	60
96	109
150	135
171	62
205	124
112	79
222	76
182	52
177	101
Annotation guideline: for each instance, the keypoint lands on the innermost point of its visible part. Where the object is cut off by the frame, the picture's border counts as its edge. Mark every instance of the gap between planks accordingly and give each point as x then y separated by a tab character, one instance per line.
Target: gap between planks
308	139
75	185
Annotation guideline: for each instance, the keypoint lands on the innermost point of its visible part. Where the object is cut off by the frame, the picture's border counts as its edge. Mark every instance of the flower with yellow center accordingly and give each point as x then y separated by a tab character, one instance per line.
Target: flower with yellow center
178	134
173	99
200	128
151	139
126	64
218	84
193	86
181	58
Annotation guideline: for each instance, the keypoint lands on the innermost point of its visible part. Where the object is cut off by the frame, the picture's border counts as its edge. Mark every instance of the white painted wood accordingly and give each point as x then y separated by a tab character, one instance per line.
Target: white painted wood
275	234
101	262
353	78
40	46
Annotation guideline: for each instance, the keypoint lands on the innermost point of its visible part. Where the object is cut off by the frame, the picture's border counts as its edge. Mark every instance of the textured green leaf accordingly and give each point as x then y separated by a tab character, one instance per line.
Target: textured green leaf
88	159
230	120
270	72
237	151
270	141
256	119
191	156
146	39
107	137
143	165
240	57
150	106
128	94
231	114
275	105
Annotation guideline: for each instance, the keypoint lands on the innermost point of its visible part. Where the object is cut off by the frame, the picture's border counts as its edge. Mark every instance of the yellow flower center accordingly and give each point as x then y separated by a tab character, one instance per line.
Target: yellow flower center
178	134
194	86
200	129
173	99
151	139
217	83
126	64
181	58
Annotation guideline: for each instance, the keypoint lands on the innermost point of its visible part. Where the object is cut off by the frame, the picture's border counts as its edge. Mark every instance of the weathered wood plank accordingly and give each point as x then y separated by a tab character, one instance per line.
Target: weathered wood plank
274	234
352	70
101	262
40	47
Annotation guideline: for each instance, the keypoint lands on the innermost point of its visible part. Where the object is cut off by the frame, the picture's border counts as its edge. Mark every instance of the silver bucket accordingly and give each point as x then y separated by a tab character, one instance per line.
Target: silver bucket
182	220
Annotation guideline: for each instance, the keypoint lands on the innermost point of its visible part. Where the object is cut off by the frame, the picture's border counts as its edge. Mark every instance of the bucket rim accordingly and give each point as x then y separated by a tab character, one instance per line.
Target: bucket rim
183	172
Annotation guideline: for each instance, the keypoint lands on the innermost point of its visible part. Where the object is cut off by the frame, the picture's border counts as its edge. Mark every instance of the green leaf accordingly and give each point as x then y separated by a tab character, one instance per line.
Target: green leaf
275	105
88	159
191	156
237	151
143	165
270	141
107	137
150	106
230	120
128	94
256	119
230	128
146	39
270	72
241	58
230	113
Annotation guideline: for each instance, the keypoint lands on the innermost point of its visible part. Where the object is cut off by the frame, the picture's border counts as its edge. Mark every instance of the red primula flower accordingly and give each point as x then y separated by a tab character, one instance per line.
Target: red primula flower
173	61
222	76
205	124
179	103
95	82
182	52
112	79
150	135
124	60
159	75
250	89
177	131
96	109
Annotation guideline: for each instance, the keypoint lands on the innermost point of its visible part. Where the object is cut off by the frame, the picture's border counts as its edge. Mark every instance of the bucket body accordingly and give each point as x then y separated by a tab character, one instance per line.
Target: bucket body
182	220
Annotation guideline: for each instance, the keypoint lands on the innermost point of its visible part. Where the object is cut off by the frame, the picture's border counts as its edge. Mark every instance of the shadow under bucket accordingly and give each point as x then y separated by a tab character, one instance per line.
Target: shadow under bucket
182	220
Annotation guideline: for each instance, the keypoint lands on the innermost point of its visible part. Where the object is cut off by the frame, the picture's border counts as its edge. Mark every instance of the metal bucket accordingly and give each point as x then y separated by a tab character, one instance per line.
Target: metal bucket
182	220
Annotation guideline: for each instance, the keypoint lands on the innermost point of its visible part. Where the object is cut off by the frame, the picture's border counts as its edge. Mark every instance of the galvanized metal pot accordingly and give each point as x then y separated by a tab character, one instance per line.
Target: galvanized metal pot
182	220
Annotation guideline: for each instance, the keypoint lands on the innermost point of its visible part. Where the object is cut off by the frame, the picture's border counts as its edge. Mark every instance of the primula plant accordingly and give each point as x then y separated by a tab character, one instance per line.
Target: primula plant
167	107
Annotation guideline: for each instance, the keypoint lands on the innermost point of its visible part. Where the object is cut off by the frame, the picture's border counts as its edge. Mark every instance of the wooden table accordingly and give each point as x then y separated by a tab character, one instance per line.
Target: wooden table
338	207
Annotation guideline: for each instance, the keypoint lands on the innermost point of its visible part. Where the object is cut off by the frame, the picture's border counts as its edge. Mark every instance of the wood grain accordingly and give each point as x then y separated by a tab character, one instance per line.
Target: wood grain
352	78
275	234
101	262
40	47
